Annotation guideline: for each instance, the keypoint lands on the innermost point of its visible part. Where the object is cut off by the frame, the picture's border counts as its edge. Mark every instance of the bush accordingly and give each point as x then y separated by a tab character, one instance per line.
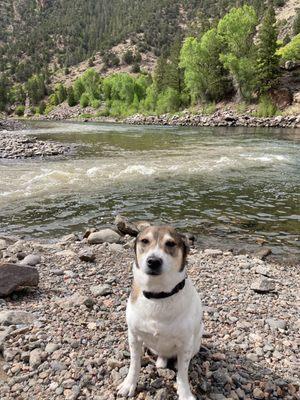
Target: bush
71	97
41	107
84	100
291	52
136	68
128	57
266	108
20	111
53	99
95	103
168	101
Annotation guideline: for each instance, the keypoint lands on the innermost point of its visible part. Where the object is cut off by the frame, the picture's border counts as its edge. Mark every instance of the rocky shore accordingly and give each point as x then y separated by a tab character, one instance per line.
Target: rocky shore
66	338
15	145
219	118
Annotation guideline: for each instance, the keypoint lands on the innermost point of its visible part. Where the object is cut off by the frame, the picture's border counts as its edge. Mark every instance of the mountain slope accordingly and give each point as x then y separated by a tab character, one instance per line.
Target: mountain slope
41	34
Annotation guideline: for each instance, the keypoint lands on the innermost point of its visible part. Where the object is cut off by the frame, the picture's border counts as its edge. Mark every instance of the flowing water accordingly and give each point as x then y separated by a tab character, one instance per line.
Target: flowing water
229	186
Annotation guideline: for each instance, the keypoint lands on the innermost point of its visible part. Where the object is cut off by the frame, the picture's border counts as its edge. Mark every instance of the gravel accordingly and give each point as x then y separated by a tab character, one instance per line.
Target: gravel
72	344
15	145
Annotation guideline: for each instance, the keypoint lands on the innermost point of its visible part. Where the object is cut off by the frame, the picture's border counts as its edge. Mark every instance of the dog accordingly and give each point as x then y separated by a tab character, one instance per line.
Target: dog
164	310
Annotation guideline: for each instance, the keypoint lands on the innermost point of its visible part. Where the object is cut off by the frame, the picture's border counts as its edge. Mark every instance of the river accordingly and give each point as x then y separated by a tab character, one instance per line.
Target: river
232	187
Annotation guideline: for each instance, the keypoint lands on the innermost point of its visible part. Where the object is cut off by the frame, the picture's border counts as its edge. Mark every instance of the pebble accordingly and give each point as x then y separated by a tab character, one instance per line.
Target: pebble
31	259
263	285
276	323
101	290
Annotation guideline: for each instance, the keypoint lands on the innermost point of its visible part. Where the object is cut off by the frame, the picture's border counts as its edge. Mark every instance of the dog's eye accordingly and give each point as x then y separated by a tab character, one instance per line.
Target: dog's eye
145	241
170	243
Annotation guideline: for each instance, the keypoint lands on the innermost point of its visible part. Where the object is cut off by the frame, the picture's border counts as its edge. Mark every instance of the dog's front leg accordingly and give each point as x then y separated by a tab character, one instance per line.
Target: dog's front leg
183	387
127	388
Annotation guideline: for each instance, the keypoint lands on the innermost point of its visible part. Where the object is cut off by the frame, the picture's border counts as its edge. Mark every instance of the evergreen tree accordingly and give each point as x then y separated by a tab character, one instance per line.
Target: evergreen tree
268	60
296	25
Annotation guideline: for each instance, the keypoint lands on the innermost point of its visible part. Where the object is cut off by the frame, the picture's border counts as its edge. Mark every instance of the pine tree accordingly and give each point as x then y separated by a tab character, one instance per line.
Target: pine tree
268	60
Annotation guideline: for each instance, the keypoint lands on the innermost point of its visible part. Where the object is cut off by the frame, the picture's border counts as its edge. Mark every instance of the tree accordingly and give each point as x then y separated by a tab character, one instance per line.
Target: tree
36	89
296	25
3	93
61	93
204	74
237	30
268	59
128	57
78	89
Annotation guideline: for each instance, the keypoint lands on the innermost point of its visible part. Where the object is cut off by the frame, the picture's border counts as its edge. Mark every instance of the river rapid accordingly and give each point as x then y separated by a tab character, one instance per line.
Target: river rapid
232	187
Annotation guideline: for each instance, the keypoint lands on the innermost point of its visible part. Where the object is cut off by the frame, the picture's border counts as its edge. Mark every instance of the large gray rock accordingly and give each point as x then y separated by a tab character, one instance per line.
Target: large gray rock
13	276
126	227
101	290
104	236
276	323
16	317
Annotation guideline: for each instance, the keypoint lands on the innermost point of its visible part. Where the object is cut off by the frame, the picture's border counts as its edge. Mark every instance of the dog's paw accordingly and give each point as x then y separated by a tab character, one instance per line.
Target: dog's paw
127	388
161	362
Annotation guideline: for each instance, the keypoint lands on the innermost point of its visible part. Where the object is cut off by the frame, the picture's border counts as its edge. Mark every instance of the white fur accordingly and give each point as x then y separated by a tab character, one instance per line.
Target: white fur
171	327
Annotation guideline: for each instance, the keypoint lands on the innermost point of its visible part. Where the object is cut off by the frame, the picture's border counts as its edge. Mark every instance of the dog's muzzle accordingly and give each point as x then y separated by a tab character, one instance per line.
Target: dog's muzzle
154	265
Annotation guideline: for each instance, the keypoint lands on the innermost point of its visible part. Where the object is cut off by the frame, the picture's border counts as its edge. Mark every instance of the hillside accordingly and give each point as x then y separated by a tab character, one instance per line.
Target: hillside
54	34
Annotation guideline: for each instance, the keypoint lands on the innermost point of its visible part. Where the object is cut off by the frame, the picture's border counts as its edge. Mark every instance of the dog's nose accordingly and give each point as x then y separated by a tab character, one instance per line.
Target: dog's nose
154	262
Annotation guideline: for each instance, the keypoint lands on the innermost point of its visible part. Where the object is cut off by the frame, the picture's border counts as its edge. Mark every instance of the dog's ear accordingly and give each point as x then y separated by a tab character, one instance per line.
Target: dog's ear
186	243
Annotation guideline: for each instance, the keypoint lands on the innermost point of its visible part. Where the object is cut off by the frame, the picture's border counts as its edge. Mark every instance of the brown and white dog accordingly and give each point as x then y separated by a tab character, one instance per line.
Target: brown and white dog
164	311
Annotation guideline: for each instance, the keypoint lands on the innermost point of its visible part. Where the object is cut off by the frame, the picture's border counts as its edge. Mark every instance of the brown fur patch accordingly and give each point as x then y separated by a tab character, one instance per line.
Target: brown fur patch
135	292
168	239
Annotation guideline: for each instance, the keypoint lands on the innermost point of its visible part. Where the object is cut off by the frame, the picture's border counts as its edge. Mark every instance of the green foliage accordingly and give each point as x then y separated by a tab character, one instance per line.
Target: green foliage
168	101
266	108
237	30
110	59
36	89
84	100
4	93
78	89
136	68
208	109
53	99
268	60
71	97
95	103
91	82
291	52
41	107
61	93
128	57
296	24
17	94
20	110
204	74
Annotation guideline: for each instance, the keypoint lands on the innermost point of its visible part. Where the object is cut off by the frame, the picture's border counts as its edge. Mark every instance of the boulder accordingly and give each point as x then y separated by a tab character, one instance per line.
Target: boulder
263	253
276	323
101	290
87	255
126	227
104	236
13	276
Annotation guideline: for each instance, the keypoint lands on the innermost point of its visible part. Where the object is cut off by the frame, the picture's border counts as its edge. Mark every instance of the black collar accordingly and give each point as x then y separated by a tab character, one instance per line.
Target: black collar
163	295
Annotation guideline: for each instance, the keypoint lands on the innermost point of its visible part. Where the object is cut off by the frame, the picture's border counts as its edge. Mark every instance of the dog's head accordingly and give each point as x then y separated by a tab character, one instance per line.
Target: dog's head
159	250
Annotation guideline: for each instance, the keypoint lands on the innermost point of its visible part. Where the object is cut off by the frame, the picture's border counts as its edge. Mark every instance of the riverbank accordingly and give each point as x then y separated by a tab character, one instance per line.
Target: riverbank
18	145
218	118
72	343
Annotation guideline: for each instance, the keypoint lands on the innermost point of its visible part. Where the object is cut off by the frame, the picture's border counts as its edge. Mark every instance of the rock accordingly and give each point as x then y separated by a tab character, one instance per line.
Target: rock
161	394
16	317
258	393
213	252
75	300
104	236
87	255
276	323
31	259
263	285
252	357
263	253
115	247
88	232
3	244
35	358
126	227
101	290
13	276
262	270
51	348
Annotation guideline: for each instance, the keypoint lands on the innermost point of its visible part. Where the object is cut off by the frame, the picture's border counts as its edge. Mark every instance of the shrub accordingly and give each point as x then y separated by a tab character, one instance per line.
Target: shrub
136	68
128	57
71	97
41	107
84	100
53	99
20	111
291	52
168	101
266	108
95	103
